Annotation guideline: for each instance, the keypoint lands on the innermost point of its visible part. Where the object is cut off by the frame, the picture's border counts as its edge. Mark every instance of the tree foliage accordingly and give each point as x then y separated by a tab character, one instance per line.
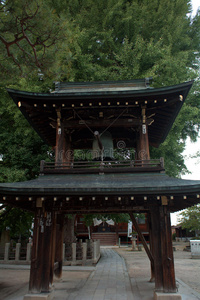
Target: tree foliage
27	30
190	218
17	222
91	40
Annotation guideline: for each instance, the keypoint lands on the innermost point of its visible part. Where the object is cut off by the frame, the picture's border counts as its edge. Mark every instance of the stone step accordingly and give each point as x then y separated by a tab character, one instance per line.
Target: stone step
106	239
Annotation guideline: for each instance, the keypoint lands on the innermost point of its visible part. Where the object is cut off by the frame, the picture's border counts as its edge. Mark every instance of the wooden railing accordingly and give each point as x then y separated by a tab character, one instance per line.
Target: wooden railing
80	167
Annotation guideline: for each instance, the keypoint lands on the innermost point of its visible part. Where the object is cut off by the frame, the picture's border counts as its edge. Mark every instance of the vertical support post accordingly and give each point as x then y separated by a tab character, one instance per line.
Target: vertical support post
17	251
156	240
84	245
73	253
59	244
169	283
7	250
60	141
162	249
34	281
63	251
94	254
143	140
63	152
151	246
28	252
42	252
47	250
53	244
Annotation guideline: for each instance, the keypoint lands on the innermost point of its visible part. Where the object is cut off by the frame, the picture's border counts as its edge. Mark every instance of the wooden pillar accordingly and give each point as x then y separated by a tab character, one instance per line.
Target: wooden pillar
59	245
169	282
63	151
162	249
34	281
151	246
42	252
143	139
53	246
60	148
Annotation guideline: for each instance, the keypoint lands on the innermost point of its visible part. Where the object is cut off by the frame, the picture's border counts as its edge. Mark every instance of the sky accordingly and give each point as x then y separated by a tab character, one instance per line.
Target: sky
193	164
195	5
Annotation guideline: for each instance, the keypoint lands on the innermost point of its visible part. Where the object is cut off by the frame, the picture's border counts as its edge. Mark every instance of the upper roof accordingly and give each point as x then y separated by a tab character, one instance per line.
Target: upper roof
98	105
102	86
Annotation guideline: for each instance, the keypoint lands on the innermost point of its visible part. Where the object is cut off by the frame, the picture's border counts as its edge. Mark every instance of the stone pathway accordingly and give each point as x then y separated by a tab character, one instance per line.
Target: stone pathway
109	281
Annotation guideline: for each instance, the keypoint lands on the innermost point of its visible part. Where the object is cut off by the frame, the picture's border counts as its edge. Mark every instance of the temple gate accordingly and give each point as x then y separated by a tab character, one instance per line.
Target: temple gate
101	117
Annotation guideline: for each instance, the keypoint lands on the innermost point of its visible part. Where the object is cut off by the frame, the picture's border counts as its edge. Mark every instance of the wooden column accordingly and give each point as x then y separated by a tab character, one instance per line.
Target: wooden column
42	252
59	245
34	281
60	148
143	139
162	249
63	151
53	247
169	282
151	246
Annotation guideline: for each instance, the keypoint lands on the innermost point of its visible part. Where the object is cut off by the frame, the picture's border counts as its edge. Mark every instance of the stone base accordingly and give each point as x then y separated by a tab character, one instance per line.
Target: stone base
40	296
167	296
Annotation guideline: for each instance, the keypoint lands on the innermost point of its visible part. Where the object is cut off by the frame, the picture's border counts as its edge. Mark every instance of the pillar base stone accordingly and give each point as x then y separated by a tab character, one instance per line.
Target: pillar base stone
167	296
40	296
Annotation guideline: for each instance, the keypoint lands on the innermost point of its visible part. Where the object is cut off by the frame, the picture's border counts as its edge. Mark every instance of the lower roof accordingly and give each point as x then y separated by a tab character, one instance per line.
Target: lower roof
141	188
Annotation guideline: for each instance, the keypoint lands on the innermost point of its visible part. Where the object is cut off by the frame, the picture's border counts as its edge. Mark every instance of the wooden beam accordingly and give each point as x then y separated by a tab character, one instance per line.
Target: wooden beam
78	124
141	237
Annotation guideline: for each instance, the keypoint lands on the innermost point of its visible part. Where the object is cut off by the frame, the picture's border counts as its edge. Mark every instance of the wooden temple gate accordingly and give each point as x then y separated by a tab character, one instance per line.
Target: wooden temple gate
74	117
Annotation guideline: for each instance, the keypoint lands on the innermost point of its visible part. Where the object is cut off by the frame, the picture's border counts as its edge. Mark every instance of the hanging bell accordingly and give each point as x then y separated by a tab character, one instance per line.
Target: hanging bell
102	147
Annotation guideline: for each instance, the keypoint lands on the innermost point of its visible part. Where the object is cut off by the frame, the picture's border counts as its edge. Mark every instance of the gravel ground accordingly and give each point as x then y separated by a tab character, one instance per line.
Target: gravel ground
15	281
186	268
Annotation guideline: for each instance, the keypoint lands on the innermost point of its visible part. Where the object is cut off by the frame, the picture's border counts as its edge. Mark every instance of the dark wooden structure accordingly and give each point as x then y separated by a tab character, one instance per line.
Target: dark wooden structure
72	117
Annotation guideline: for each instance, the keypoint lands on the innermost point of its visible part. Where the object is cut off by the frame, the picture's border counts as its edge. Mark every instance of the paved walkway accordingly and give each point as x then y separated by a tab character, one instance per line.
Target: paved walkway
109	281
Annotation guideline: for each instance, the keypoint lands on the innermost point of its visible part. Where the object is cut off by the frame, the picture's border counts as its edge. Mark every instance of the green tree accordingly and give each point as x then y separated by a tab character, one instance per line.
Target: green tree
18	222
27	30
190	218
120	39
94	40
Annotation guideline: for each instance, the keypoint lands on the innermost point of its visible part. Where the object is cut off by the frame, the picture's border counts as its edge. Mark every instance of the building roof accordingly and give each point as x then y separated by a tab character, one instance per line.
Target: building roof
123	191
120	105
